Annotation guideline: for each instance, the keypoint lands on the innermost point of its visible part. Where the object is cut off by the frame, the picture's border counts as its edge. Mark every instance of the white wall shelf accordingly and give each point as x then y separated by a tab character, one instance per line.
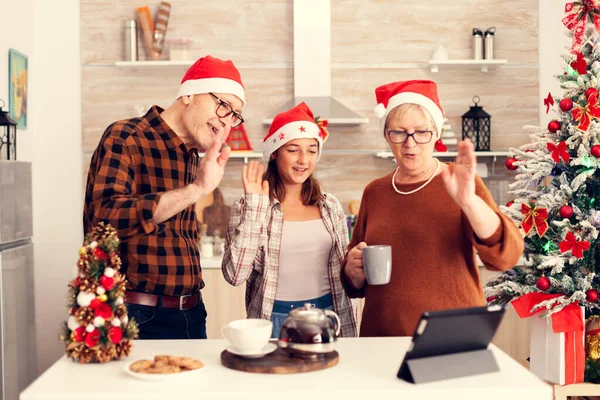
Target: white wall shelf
450	154
141	64
483	64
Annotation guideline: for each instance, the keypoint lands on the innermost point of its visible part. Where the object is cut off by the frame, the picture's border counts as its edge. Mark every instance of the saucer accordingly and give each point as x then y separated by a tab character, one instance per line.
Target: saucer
269	348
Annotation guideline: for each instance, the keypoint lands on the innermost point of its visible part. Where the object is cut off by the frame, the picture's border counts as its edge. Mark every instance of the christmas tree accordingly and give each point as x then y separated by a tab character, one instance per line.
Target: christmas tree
557	186
98	329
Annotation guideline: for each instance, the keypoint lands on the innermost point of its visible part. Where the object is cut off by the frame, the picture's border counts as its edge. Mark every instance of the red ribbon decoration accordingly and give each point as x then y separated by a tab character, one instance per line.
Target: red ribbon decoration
579	13
580	65
559	151
577	247
584	115
569	321
323	132
548	101
537	216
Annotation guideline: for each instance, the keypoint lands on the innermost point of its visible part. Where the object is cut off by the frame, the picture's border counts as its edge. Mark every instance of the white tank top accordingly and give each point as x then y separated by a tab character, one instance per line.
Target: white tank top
304	261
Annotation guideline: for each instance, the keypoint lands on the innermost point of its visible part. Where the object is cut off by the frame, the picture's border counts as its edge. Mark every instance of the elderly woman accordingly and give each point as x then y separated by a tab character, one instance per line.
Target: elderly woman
436	217
286	237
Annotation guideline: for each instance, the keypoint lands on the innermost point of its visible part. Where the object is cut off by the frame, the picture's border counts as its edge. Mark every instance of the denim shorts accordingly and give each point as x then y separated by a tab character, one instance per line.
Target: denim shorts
281	309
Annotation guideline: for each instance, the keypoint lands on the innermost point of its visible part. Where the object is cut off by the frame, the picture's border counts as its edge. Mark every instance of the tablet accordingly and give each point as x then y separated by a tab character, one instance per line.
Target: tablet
461	330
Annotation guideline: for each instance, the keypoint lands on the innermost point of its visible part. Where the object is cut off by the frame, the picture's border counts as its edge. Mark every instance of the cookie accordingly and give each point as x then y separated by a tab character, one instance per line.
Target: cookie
141	365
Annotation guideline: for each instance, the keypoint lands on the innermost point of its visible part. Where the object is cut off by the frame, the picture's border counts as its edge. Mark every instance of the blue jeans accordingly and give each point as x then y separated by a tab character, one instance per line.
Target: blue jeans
281	309
169	323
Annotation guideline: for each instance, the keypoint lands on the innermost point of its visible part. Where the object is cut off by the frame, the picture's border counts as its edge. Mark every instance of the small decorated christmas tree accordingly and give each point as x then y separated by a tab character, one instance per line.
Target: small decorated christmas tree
98	329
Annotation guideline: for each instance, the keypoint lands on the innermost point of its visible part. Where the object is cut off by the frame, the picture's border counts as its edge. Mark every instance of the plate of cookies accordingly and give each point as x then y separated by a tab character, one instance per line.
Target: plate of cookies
164	367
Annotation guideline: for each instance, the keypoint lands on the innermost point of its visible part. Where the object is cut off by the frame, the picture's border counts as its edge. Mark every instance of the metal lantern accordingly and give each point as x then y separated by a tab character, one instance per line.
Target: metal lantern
8	135
476	126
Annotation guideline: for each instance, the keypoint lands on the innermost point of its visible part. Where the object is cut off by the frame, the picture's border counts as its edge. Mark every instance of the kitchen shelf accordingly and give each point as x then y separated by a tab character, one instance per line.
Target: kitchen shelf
450	154
483	64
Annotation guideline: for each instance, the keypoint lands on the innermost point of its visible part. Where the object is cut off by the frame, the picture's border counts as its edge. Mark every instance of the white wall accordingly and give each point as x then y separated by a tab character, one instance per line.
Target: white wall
48	33
553	42
57	167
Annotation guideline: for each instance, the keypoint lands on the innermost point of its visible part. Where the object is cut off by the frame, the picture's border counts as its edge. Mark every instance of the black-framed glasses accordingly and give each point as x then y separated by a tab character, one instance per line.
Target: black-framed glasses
224	110
420	137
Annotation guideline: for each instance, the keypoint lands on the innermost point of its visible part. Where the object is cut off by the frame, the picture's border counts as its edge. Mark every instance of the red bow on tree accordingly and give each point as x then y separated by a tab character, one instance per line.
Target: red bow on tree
577	247
579	13
584	115
559	151
537	216
548	101
322	124
580	65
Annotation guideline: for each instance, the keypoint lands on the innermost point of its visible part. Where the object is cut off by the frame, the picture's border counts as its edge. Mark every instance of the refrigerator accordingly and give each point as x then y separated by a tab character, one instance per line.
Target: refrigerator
18	365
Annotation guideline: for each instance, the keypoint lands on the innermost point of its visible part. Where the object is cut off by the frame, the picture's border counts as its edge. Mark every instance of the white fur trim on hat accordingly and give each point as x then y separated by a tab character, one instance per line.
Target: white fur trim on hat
291	131
380	110
212	85
417	98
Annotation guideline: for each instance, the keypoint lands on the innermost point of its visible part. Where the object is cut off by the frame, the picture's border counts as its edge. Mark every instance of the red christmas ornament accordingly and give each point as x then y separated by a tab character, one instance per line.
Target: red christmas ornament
115	334
79	334
566	211
440	147
553	126
591	296
106	282
103	311
92	338
543	283
100	255
73	310
591	92
510	164
566	104
491	298
595	151
95	303
510	203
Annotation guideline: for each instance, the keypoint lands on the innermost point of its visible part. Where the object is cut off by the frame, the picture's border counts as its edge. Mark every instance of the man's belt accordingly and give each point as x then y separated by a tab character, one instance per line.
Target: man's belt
153	300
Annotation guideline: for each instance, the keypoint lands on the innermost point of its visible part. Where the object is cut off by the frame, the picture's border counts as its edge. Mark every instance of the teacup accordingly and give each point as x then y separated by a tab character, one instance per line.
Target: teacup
248	335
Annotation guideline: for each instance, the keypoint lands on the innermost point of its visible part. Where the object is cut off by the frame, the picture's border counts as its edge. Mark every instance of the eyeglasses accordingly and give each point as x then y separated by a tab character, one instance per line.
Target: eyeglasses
420	137
224	110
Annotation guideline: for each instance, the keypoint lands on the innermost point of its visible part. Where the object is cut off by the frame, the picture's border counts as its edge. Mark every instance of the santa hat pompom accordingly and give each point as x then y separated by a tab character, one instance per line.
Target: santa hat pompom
380	111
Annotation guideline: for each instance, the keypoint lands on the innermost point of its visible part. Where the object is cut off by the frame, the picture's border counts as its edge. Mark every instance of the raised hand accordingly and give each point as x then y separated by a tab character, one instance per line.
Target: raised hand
212	167
252	174
460	183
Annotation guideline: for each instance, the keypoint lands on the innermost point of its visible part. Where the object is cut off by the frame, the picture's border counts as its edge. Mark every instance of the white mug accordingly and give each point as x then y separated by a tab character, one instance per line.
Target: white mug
248	335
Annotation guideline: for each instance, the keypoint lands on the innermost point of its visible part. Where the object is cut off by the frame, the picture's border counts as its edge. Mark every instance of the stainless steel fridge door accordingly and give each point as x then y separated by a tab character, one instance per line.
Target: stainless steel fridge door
17	321
16	217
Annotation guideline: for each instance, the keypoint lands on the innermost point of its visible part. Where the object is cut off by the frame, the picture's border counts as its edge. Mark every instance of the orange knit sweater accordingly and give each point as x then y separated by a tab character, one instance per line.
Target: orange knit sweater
433	253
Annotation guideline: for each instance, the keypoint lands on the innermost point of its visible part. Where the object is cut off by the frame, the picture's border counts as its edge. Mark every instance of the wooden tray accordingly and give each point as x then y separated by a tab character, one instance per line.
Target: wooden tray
278	362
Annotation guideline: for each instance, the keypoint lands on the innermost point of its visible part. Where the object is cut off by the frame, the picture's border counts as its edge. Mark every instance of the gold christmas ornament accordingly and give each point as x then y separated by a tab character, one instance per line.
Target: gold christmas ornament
106	354
103	297
592	338
124	348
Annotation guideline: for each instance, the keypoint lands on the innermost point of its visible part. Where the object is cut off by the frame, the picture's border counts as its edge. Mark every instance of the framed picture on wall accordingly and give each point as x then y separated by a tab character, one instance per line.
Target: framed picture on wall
17	87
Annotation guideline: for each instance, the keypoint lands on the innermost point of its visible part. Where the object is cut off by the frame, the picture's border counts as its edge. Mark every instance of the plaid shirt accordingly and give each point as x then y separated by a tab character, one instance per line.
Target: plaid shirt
252	254
135	162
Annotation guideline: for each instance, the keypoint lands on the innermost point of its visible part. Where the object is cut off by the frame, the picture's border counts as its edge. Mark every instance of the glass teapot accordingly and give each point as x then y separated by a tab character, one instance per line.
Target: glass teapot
309	332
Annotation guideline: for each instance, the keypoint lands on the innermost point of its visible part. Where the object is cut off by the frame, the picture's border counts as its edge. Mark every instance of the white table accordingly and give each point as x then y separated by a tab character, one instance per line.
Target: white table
366	371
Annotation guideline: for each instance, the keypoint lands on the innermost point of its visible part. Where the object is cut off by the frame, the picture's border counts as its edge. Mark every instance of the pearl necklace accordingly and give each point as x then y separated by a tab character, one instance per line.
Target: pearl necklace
420	187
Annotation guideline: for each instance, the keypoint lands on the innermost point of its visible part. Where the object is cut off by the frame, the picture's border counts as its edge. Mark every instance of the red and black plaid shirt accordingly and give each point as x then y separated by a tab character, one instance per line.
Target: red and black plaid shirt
135	162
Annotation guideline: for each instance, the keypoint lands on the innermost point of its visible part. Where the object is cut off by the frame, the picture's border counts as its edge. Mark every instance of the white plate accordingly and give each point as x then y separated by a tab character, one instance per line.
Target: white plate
162	377
269	348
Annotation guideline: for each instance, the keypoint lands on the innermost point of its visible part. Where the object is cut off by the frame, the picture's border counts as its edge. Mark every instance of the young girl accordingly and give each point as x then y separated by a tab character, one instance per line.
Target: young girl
286	238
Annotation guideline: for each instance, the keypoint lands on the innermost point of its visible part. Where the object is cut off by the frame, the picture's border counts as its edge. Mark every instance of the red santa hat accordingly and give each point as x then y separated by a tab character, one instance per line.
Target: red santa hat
295	123
212	75
421	92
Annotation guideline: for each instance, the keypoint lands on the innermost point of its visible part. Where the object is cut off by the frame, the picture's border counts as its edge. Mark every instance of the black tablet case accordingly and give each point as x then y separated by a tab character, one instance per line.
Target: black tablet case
452	344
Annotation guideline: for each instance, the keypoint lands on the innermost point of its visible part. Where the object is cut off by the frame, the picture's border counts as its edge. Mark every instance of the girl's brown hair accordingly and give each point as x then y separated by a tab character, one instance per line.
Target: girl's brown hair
311	188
